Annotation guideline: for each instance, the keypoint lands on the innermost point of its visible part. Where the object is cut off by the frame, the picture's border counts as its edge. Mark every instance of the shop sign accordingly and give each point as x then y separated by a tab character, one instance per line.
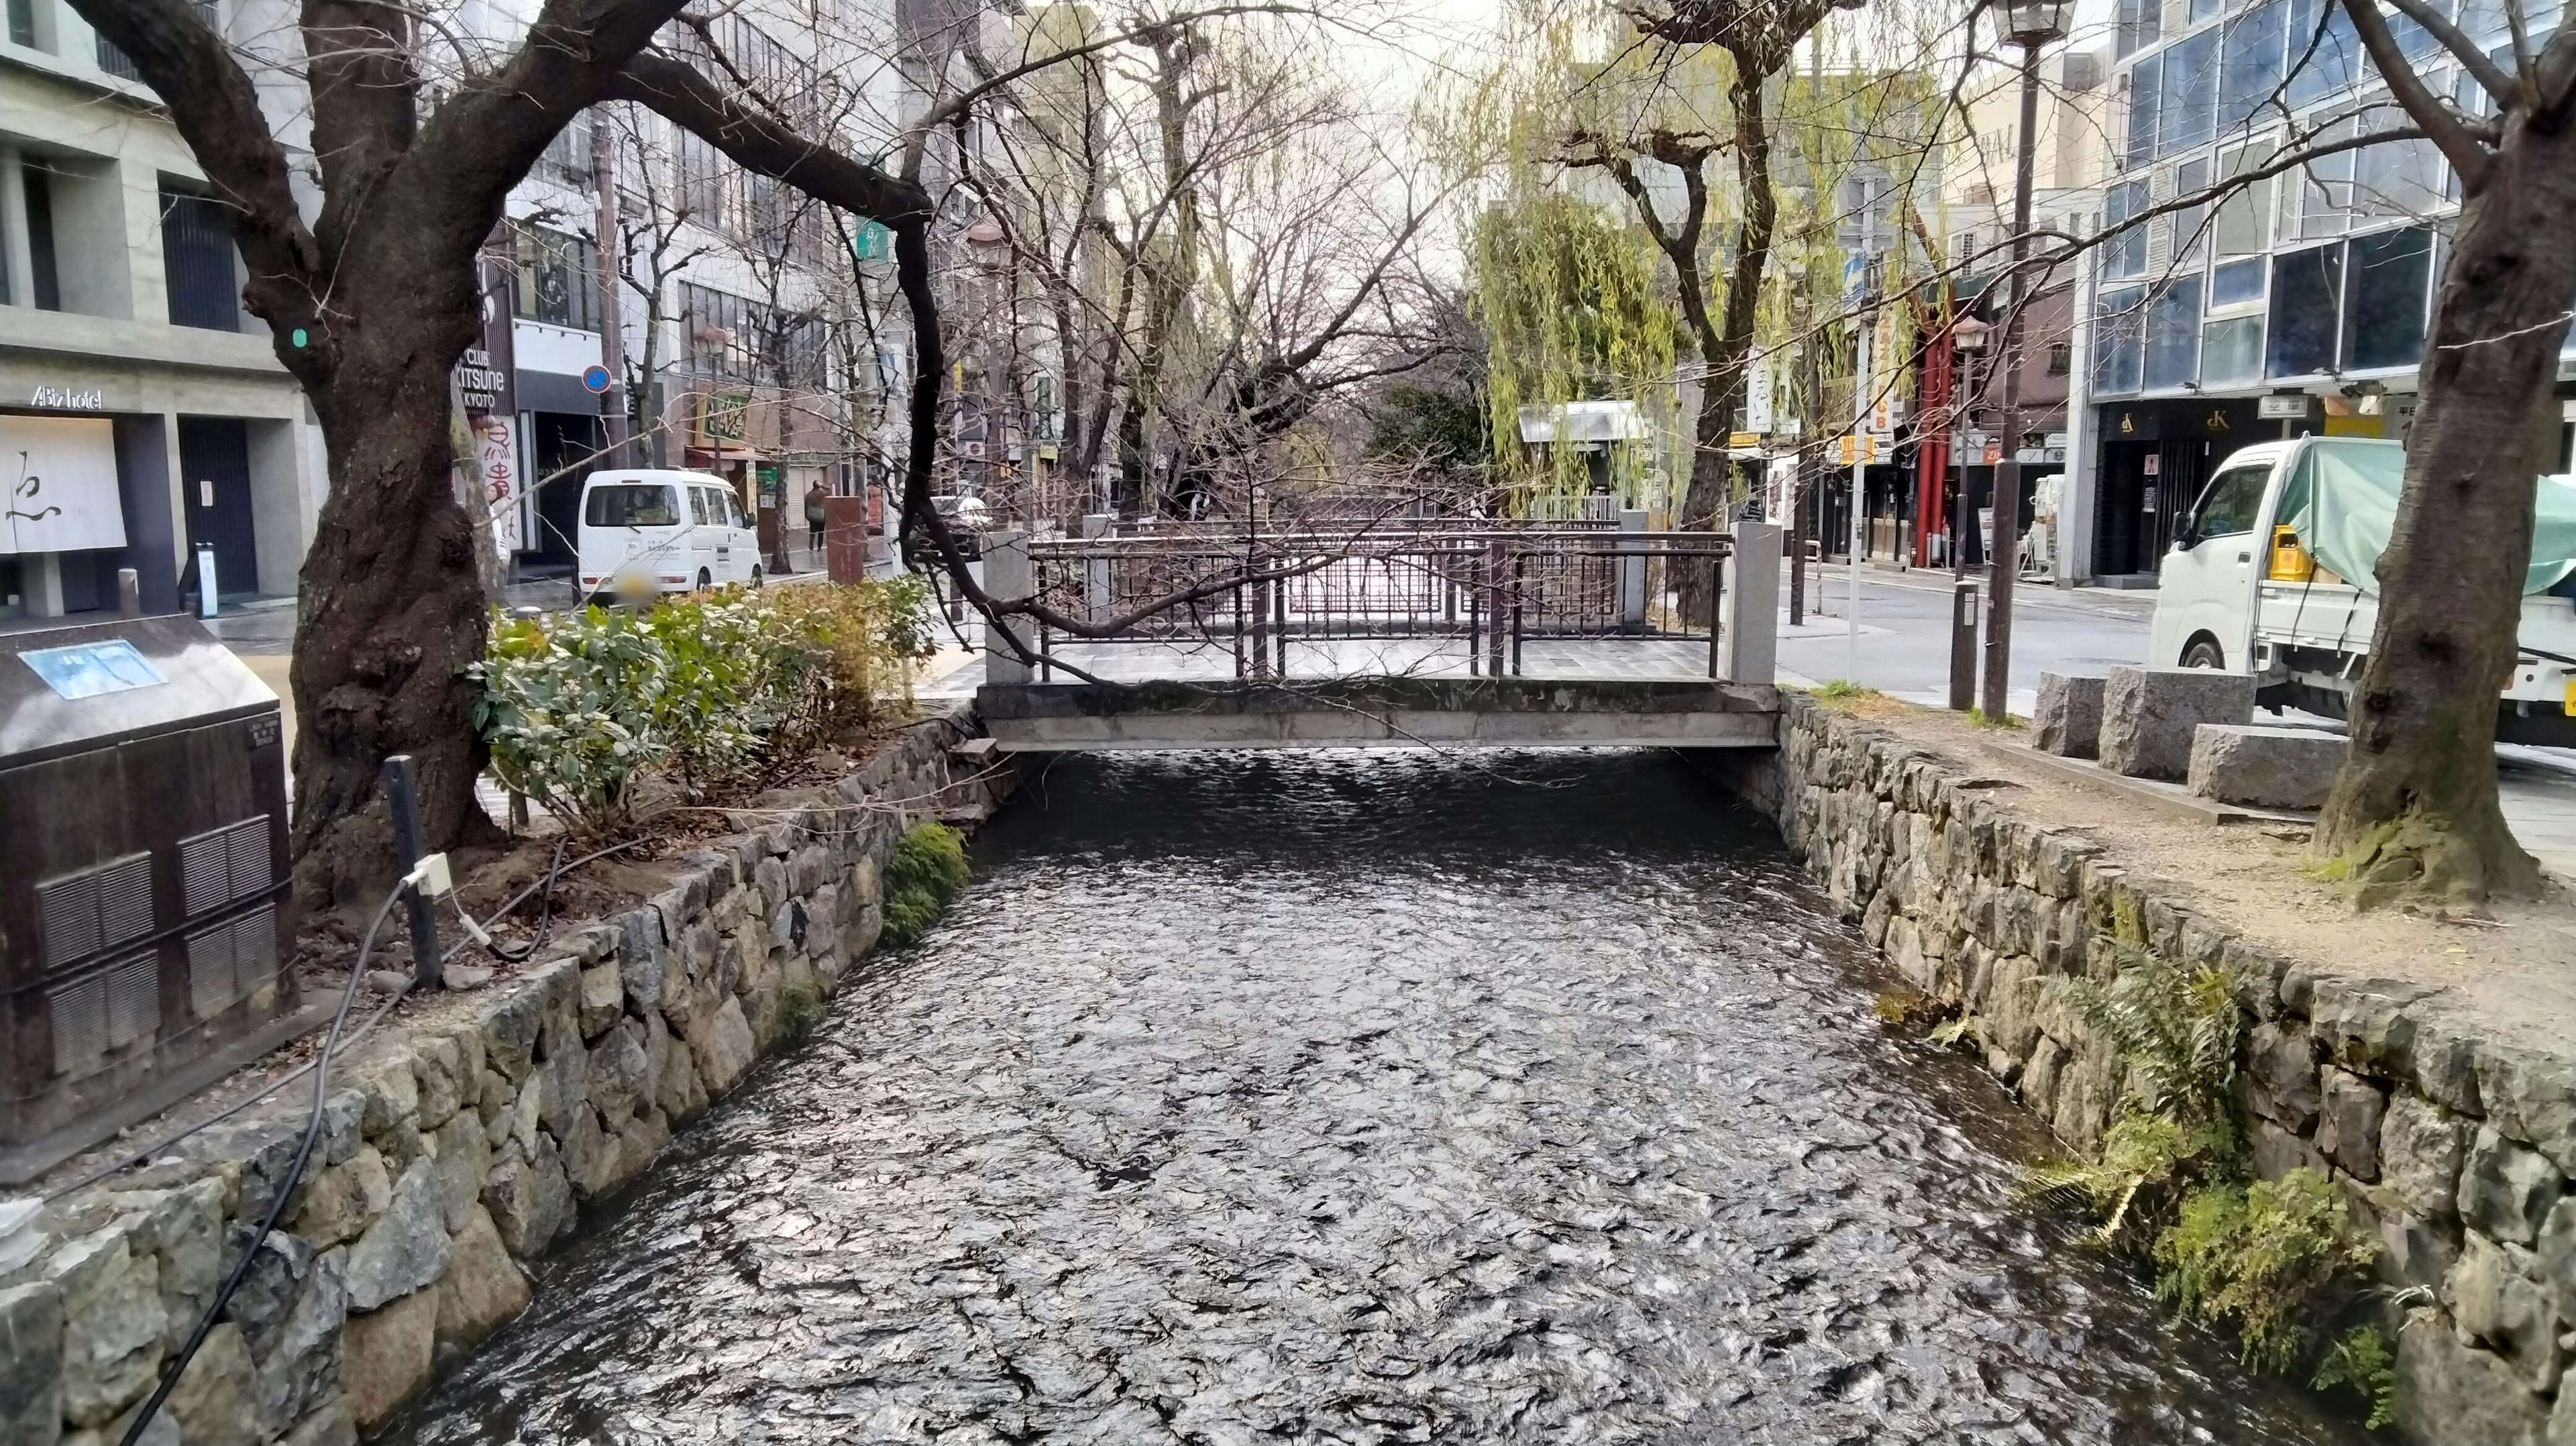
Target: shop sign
69	400
60	479
2292	408
723	417
496	441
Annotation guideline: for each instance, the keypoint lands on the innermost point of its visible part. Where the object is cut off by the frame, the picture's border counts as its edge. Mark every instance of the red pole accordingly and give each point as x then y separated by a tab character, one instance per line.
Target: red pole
1932	444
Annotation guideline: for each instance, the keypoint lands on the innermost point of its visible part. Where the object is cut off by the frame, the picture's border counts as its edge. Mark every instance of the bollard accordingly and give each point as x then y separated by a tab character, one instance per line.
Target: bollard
405	804
1963	645
206	604
129	593
1008	577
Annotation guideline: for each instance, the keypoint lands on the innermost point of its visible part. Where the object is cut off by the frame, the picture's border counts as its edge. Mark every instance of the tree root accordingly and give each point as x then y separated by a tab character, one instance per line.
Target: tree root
2421	855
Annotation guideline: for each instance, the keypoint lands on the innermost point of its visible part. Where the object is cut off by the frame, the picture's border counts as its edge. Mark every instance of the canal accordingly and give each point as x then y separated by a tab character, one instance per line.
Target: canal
1357	1098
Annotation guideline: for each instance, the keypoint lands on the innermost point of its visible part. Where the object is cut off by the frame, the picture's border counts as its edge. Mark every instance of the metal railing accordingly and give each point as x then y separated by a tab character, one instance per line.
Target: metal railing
1492	589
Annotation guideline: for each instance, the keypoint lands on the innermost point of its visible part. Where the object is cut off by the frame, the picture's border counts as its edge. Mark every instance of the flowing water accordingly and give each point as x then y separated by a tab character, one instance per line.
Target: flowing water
1357	1098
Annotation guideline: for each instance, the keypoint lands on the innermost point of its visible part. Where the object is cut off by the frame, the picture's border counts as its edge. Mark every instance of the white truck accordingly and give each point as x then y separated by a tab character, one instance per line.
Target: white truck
2274	574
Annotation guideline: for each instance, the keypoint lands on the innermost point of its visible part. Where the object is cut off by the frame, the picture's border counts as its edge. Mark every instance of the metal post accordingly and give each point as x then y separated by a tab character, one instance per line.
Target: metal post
129	593
1494	609
1963	643
405	804
1475	615
1859	491
2001	559
1716	606
1520	580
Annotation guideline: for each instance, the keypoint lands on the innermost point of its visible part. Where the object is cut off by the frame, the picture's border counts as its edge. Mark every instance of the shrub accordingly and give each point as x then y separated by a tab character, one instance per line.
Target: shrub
706	691
800	1006
2274	1256
2277	1258
570	706
926	869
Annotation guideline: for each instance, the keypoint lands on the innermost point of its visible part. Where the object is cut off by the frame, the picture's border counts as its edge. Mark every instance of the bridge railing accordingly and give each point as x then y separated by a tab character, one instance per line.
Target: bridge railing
1491	589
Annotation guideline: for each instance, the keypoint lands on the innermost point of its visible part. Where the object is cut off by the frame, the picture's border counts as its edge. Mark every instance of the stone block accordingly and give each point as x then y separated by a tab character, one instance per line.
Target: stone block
2447	1391
2348	1115
2506	1190
720	1042
2150	716
530	1200
483	1287
406	1247
2557	1255
2284	1072
603	1000
2421	1145
215	1402
2263	767
464	1157
31	1366
2068	718
113	1323
2494	1298
299	1354
387	1356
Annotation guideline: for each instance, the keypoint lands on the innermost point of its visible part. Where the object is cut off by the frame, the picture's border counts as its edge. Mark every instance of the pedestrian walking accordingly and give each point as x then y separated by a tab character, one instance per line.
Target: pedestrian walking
815	512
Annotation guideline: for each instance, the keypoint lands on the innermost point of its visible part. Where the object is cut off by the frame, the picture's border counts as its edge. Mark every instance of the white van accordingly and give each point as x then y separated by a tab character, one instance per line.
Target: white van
646	532
2252	584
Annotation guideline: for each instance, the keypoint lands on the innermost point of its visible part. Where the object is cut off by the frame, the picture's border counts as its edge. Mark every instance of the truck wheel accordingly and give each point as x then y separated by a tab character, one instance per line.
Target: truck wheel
2204	653
705	580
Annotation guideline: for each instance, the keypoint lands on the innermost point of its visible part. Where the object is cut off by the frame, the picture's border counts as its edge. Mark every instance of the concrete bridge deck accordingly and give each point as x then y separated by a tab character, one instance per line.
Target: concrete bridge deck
1384	711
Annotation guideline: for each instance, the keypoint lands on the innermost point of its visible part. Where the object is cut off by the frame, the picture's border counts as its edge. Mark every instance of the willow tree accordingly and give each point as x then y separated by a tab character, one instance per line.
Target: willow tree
1566	296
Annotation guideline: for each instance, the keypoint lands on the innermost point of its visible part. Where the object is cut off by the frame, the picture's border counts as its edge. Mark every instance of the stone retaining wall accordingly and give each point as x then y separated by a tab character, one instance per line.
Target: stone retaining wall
2454	1147
451	1154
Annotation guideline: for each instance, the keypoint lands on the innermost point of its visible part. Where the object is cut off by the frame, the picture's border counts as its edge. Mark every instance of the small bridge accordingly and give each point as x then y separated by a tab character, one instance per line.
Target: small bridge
1397	634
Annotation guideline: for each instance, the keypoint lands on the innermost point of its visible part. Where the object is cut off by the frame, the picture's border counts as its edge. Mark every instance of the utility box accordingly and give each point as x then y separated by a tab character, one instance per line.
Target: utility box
144	910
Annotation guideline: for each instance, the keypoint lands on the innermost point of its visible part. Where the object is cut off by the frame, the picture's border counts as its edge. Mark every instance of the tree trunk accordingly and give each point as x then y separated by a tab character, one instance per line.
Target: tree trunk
392	608
1712	484
2414	805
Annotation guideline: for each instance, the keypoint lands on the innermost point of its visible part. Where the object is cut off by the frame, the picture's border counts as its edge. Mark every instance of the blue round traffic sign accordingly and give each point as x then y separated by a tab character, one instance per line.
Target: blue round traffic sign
596	378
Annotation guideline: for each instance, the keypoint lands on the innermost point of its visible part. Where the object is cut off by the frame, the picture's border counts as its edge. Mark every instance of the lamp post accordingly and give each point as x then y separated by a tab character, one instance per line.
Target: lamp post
2030	24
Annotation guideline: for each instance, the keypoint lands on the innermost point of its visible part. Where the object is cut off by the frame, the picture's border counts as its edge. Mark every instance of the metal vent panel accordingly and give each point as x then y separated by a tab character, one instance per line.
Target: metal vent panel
205	872
246	845
213	981
70	907
124	900
77	1013
133	999
255	950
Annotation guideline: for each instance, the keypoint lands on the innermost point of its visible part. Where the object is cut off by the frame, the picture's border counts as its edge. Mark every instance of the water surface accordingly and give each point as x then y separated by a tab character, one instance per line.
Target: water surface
1357	1098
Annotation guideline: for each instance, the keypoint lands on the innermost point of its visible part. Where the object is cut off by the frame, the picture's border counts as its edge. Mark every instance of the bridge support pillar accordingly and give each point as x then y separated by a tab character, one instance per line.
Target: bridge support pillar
1008	577
1749	639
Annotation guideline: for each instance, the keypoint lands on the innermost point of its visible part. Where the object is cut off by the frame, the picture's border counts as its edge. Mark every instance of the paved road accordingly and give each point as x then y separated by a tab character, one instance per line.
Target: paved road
1905	633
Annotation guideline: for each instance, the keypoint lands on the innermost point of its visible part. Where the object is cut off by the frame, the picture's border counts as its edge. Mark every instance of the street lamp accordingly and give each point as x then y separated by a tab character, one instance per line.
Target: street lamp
2030	24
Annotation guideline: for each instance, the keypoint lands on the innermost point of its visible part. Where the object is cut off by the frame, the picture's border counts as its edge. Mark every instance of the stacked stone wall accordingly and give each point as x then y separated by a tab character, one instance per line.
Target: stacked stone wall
2454	1147
451	1156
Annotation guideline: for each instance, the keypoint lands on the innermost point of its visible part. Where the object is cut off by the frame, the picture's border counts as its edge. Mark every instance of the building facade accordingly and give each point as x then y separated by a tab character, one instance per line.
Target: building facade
2316	284
144	420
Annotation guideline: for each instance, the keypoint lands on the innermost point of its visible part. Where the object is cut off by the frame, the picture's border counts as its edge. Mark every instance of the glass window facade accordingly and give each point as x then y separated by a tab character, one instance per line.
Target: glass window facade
2307	295
2173	336
2385	281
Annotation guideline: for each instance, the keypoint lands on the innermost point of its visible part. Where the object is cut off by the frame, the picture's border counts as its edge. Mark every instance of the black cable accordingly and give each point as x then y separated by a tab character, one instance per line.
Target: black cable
545	912
285	1187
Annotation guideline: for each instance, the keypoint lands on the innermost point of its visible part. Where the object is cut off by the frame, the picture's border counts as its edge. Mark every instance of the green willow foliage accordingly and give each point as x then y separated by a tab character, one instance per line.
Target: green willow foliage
1566	296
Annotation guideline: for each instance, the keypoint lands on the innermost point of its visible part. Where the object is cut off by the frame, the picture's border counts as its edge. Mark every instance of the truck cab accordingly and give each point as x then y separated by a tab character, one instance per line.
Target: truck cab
2244	591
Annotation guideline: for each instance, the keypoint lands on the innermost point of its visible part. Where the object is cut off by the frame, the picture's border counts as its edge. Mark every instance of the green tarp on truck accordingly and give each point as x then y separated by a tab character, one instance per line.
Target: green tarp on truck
2343	503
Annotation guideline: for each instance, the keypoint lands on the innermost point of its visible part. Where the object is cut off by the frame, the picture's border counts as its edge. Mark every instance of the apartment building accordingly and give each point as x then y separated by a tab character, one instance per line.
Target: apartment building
142	414
2317	284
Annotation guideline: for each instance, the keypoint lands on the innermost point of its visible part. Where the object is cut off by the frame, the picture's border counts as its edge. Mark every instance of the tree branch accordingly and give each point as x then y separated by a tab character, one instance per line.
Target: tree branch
2465	154
2489	75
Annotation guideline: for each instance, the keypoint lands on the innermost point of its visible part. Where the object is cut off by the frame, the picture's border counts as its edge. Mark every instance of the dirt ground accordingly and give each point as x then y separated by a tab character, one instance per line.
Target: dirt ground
2516	970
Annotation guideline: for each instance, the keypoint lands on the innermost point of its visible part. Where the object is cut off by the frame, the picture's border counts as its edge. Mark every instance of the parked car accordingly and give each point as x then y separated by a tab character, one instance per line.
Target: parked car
2275	574
648	532
968	520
